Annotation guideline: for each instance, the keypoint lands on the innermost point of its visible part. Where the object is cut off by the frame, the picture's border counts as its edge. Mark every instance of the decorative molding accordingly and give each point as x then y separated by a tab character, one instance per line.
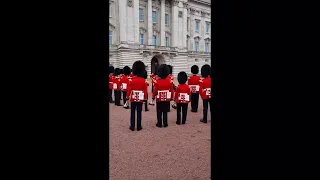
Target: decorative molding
192	11
197	20
168	33
185	5
180	15
142	30
197	38
207	40
112	27
130	3
175	2
203	14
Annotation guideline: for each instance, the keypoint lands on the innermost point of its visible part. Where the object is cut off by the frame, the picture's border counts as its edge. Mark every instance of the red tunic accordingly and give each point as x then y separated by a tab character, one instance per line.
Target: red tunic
205	88
162	90
193	81
181	92
136	86
117	83
111	80
124	83
131	75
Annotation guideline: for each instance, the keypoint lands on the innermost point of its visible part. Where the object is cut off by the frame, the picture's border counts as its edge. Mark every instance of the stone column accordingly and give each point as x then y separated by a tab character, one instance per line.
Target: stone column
174	22
150	30
136	20
162	29
123	21
185	18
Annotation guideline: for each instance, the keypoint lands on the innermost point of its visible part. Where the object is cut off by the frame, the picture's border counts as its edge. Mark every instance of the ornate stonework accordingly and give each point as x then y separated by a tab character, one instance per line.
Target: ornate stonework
130	3
180	15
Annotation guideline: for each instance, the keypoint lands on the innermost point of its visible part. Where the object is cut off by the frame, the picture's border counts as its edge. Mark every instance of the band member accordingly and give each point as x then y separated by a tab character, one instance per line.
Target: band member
137	93
111	79
182	97
124	84
193	83
163	92
146	101
205	90
117	87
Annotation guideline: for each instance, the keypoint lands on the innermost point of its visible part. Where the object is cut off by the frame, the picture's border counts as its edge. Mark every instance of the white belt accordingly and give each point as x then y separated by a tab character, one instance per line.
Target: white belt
164	91
139	93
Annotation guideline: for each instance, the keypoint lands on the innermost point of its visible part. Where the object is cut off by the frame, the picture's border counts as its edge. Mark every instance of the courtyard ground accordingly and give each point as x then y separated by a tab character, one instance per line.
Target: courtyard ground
178	152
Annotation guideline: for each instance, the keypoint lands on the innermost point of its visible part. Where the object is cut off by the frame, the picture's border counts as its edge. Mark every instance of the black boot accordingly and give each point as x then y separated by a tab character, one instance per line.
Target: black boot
203	121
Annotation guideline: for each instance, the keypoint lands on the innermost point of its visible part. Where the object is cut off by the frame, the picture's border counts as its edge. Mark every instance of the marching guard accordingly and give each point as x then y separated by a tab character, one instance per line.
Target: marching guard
163	92
205	90
182	97
117	87
111	79
146	101
193	83
137	93
124	84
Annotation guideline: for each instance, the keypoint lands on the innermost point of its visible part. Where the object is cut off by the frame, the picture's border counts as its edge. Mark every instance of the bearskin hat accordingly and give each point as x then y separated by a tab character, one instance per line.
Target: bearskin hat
138	69
182	77
111	69
170	69
116	72
195	69
121	71
126	70
205	70
163	71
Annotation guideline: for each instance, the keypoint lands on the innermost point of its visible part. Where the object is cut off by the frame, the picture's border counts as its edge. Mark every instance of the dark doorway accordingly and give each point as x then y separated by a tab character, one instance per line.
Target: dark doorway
156	61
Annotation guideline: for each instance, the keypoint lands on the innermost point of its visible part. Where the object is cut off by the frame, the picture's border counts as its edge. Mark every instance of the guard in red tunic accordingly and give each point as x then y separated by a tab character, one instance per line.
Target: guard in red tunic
137	93
117	87
193	83
111	79
146	101
205	90
163	92
124	83
182	97
170	77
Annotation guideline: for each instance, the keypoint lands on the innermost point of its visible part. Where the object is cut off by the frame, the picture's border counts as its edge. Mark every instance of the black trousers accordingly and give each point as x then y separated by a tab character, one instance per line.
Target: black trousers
162	113
184	108
136	106
194	101
146	104
152	88
124	95
117	94
110	95
205	109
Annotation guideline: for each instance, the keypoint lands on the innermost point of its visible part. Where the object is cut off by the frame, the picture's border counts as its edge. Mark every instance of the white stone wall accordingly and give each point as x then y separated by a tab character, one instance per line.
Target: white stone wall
126	28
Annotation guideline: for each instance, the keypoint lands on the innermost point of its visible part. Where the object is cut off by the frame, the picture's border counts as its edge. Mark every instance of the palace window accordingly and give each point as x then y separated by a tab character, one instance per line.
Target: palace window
110	37
207	27
197	26
188	24
110	10
141	39
196	46
167	19
207	47
167	41
154	16
140	14
154	40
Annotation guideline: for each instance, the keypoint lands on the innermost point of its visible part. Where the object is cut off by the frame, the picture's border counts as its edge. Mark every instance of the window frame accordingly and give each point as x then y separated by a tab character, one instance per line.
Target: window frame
154	18
166	19
142	39
110	39
154	40
141	15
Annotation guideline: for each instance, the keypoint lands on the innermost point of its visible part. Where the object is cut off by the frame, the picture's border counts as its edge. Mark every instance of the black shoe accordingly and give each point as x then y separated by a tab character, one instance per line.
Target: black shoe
139	129
178	123
194	111
203	121
166	125
160	126
147	110
131	128
183	122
